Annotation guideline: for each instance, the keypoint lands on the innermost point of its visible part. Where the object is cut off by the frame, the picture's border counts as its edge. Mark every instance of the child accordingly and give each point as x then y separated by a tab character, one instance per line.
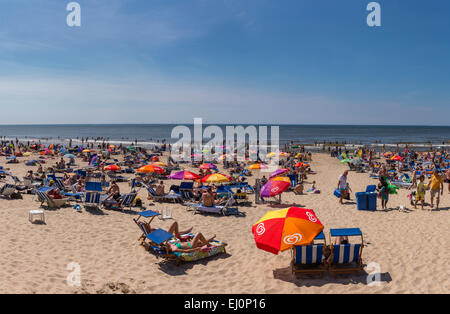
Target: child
384	193
420	193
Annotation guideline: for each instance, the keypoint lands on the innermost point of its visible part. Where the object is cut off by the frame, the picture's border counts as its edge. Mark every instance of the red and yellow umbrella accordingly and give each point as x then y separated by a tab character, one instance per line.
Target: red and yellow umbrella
216	177
396	158
112	168
150	169
279	230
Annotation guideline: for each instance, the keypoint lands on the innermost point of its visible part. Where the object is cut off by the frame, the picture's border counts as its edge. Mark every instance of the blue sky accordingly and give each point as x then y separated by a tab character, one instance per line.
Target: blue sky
227	61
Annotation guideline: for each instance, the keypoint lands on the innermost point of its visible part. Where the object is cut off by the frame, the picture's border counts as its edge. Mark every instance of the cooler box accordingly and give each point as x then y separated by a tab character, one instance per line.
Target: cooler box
337	193
361	201
366	201
372	201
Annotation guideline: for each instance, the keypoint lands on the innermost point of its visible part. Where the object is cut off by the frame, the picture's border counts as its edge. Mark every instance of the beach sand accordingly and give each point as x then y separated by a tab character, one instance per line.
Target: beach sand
411	248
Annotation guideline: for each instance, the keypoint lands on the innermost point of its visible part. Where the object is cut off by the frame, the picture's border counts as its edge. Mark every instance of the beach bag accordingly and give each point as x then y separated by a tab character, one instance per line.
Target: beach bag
138	202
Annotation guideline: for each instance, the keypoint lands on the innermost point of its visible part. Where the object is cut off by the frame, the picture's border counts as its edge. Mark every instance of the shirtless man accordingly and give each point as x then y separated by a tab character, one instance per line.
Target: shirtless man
114	191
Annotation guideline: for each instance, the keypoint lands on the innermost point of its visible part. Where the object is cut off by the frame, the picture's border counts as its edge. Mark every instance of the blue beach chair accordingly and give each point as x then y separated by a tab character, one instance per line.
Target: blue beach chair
92	200
309	259
346	258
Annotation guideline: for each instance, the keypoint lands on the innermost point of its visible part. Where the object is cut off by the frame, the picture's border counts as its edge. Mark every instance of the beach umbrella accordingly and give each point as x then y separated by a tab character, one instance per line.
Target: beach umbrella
208	166
70	156
278	172
112	168
155	158
150	169
86	151
159	164
184	175
257	166
216	178
275	186
388	154
396	158
279	230
11	158
27	154
344	161
271	154
301	164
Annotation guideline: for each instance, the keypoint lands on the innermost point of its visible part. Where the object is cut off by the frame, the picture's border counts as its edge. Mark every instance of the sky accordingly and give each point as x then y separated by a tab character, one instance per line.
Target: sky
226	61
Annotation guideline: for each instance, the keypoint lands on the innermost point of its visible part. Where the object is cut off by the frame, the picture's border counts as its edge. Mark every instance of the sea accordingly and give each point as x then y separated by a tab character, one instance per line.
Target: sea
154	134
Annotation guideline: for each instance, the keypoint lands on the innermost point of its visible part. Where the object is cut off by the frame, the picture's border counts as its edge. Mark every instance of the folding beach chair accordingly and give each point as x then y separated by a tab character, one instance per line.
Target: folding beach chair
219	210
346	258
160	241
142	225
309	259
224	190
186	189
92	200
7	189
127	200
93	186
52	203
175	198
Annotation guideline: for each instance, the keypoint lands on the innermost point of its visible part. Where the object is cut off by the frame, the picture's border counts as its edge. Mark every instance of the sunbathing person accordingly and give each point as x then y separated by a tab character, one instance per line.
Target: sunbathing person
207	199
196	243
298	188
160	189
341	240
114	192
181	235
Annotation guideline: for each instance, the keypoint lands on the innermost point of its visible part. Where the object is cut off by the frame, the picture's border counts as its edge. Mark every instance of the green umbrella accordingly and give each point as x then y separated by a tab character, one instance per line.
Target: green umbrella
344	161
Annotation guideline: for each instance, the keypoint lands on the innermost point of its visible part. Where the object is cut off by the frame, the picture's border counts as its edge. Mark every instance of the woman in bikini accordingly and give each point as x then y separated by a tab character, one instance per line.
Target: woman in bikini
196	243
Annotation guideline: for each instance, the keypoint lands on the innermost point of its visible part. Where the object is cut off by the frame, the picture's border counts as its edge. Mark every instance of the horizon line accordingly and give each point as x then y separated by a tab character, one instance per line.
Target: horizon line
221	124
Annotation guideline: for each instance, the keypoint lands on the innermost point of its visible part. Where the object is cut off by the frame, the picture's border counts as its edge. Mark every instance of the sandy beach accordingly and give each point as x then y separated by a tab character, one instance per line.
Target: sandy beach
411	246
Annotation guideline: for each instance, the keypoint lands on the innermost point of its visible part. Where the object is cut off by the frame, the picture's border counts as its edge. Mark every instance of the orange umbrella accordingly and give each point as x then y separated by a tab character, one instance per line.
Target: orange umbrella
279	230
150	169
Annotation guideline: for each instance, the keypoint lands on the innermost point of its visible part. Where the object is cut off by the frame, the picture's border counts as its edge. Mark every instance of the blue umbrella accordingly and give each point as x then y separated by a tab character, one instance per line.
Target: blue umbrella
11	158
70	156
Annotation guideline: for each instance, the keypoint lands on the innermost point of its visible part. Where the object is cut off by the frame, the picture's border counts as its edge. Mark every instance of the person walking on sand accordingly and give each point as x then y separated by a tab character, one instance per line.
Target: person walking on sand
436	188
420	193
342	186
